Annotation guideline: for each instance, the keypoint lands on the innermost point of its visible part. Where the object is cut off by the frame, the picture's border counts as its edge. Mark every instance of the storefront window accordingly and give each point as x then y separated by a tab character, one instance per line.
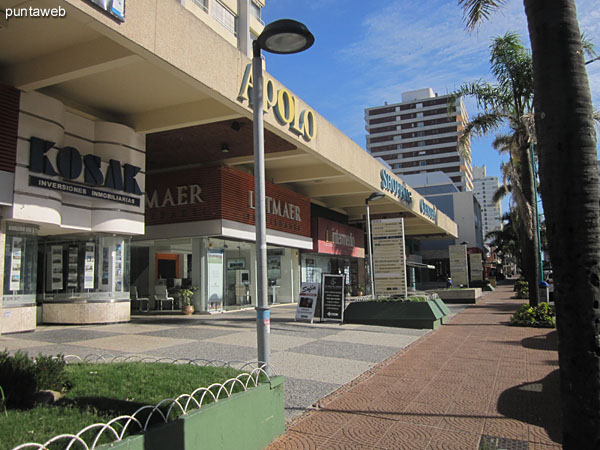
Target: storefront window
20	266
82	265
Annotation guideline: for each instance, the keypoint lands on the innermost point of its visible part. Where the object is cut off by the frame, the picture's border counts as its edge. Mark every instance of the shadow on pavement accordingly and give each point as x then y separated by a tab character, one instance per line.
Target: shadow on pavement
535	403
547	341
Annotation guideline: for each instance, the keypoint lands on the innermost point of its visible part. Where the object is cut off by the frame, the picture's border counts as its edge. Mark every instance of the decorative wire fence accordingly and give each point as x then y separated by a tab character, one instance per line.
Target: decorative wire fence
138	422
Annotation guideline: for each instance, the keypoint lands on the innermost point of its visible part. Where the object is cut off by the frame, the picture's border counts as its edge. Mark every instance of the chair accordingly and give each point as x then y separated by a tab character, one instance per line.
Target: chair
161	295
138	302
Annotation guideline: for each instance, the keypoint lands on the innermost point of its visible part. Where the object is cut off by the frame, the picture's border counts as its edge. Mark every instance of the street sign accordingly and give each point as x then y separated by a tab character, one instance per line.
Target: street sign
333	298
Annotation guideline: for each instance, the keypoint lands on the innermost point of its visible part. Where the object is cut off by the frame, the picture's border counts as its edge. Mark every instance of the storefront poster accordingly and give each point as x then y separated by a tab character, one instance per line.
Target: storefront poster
309	295
333	298
389	257
105	265
458	265
215	280
118	267
56	266
88	280
73	267
273	267
15	263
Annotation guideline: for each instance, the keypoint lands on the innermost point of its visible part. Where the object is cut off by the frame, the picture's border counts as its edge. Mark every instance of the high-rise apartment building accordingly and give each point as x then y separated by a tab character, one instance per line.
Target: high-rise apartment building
484	189
420	135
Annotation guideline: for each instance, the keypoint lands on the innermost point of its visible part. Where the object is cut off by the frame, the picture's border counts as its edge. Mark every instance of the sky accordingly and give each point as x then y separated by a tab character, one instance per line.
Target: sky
369	52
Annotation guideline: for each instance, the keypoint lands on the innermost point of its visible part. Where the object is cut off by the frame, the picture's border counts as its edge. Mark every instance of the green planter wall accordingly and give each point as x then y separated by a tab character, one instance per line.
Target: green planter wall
247	420
427	314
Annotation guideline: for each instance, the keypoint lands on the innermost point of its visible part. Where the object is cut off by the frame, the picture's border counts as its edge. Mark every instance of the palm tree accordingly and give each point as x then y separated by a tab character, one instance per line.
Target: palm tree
569	188
506	241
509	102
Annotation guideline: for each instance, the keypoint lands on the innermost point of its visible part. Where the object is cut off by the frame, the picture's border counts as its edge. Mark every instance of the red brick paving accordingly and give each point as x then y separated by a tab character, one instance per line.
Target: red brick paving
471	377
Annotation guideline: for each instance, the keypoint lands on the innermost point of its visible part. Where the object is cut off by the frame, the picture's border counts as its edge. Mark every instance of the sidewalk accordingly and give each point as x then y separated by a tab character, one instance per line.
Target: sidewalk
474	383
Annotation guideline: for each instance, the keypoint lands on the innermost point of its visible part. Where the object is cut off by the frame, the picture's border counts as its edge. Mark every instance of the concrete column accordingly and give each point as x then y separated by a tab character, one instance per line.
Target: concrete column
151	275
199	274
253	268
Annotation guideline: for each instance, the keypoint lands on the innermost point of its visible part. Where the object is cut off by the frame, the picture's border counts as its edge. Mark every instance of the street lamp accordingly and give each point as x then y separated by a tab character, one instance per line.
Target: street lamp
282	36
372	198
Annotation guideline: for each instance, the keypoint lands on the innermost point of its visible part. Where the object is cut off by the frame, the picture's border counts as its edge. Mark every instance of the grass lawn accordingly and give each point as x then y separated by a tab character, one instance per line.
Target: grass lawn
101	392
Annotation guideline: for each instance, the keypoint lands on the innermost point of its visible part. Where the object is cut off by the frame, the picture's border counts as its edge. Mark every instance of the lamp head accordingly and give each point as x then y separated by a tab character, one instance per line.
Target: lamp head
285	36
374	197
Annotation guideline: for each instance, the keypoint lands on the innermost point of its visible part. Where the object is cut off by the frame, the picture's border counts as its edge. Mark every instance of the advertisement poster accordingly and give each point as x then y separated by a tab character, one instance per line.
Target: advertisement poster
56	267
118	267
90	261
105	265
273	267
333	298
73	267
389	258
309	295
458	265
215	280
15	263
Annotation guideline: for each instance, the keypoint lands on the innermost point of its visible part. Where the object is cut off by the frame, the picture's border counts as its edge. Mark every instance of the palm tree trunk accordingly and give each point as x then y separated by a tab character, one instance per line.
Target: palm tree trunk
569	186
530	250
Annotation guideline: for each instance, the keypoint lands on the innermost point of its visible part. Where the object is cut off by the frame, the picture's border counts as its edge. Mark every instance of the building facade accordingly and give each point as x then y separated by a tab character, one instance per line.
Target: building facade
484	188
126	160
463	208
420	135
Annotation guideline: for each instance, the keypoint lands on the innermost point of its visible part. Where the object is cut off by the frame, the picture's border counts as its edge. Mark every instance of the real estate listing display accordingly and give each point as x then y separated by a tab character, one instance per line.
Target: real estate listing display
458	265
389	257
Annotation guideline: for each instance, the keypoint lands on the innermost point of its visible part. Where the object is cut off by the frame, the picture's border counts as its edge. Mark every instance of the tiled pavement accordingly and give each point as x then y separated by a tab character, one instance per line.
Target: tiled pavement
315	359
474	383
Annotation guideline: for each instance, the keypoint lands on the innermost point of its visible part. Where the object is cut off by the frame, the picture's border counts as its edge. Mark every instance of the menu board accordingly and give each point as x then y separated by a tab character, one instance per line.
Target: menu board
90	262
73	267
389	259
333	298
56	267
16	256
309	295
476	267
458	265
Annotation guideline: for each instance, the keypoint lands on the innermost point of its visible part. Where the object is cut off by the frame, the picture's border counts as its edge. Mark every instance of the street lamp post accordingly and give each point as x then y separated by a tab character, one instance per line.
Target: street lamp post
372	198
283	36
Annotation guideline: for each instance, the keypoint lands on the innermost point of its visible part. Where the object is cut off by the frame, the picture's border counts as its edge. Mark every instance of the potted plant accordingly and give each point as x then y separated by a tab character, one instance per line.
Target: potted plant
186	295
359	290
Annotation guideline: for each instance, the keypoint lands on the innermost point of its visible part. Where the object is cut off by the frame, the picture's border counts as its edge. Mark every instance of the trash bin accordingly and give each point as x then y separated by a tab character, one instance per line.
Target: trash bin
544	291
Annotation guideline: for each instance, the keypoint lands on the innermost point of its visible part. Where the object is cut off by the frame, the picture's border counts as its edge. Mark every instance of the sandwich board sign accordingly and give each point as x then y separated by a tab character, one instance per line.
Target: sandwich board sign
309	294
333	298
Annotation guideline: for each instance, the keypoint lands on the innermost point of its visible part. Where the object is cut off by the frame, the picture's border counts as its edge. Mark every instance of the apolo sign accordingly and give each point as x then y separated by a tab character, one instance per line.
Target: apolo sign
284	106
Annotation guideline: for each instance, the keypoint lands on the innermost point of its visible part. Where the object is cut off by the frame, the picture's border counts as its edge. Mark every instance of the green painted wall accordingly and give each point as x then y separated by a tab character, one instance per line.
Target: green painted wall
247	420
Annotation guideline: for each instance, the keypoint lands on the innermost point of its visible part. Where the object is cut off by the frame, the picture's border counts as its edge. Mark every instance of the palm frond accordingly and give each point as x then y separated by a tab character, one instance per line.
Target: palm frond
476	11
502	192
588	47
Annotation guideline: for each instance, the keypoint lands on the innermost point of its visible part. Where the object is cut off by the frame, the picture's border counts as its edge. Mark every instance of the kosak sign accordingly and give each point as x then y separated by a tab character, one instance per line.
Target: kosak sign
71	165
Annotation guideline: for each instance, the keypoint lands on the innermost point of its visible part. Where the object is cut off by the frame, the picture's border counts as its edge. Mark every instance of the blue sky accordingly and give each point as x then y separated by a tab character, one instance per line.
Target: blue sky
366	53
